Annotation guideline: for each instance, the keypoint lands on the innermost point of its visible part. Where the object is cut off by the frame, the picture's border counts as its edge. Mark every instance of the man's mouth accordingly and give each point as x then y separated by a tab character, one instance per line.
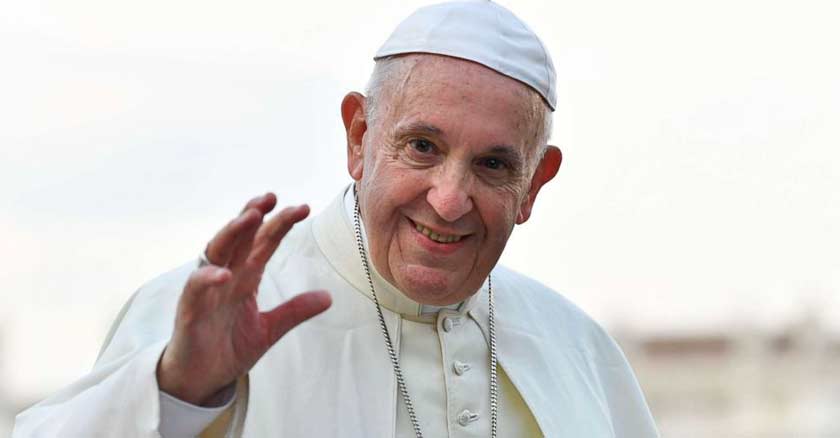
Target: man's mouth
436	236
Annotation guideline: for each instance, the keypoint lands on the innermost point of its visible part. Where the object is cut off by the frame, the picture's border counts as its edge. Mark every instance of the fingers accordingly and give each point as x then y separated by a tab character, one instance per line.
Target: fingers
288	315
200	281
221	248
244	243
207	277
220	251
250	258
264	203
272	232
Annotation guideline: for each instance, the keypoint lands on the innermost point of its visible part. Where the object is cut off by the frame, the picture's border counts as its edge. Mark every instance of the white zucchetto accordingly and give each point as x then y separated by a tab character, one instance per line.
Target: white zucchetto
480	31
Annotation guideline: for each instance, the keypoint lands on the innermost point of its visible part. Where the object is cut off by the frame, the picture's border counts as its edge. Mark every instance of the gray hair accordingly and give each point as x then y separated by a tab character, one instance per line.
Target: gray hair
391	69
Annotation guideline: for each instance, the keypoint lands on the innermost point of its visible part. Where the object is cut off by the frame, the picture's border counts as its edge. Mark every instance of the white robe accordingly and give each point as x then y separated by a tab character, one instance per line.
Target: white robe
560	372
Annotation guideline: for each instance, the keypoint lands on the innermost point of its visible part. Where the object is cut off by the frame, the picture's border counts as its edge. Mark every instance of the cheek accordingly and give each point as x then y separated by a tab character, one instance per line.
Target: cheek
499	216
385	192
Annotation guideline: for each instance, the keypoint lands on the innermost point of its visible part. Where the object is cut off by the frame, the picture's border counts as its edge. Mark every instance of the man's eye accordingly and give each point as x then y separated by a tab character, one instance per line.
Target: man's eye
422	146
493	163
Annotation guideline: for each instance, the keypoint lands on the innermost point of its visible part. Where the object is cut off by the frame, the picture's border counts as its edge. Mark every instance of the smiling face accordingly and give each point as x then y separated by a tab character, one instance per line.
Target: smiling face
444	172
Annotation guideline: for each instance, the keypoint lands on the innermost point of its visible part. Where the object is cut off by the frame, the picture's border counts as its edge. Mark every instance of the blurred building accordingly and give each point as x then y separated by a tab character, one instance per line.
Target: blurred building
741	384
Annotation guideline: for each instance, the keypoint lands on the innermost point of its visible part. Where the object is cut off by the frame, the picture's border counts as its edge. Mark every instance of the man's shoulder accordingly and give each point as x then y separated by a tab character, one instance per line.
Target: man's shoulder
162	292
148	315
169	281
538	309
535	296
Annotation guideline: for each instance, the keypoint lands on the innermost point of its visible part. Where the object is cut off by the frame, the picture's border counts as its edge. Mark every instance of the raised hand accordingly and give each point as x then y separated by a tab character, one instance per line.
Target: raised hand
219	331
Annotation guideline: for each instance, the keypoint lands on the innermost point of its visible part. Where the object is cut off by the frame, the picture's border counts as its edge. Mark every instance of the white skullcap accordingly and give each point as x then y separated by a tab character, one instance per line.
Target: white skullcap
479	31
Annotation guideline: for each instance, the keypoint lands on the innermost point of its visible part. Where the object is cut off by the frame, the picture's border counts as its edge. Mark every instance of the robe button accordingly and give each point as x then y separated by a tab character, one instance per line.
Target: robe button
460	367
466	417
449	324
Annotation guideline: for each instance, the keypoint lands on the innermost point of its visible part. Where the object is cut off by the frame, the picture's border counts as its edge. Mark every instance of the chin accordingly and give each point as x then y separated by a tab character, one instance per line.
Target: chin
429	286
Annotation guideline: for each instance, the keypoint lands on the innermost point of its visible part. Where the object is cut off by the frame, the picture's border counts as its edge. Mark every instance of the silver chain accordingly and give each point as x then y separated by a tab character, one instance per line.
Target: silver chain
494	388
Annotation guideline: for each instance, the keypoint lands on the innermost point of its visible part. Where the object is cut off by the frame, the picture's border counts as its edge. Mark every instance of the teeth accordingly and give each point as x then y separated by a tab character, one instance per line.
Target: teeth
442	238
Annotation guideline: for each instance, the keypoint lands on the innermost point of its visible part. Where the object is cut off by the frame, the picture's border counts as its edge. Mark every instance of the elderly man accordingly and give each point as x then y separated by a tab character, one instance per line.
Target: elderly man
426	335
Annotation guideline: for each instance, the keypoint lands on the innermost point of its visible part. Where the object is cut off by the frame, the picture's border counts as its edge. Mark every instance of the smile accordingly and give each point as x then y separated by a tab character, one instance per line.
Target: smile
437	237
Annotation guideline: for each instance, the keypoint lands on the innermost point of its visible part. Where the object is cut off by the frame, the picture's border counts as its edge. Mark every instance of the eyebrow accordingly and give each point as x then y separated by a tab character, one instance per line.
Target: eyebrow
422	127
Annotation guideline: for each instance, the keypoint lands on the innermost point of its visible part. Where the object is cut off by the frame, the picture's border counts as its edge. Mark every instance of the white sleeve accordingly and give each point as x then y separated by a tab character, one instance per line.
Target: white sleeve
118	398
181	419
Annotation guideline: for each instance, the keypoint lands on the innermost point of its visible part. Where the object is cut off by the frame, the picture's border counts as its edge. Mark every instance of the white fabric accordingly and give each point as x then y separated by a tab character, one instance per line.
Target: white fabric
480	31
179	418
331	376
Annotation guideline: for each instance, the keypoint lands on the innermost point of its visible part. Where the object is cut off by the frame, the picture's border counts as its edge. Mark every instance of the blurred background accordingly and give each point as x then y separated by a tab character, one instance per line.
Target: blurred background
695	215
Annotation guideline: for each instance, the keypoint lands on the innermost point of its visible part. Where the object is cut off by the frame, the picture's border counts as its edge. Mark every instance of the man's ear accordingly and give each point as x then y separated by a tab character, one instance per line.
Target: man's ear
546	170
355	125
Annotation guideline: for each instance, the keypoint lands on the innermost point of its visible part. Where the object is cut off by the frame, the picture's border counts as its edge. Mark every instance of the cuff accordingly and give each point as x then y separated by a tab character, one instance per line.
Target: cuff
181	419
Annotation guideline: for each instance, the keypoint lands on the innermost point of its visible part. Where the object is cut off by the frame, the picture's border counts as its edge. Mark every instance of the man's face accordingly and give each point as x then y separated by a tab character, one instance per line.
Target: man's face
444	173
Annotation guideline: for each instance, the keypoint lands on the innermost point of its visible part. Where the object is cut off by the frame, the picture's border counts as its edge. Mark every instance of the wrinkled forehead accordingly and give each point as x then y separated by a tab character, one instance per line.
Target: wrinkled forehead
443	88
423	72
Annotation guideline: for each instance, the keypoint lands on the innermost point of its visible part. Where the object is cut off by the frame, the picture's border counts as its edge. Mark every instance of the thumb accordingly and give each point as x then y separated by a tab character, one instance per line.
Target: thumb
288	315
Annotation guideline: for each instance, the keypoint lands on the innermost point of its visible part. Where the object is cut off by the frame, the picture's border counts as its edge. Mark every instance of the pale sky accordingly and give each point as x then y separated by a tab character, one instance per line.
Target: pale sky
698	190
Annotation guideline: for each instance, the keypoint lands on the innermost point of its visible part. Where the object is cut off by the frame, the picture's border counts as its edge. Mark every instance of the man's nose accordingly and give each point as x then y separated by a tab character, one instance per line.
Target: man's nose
449	197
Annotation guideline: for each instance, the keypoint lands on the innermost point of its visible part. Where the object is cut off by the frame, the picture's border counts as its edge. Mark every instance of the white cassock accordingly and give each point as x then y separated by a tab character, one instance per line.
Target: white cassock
560	374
